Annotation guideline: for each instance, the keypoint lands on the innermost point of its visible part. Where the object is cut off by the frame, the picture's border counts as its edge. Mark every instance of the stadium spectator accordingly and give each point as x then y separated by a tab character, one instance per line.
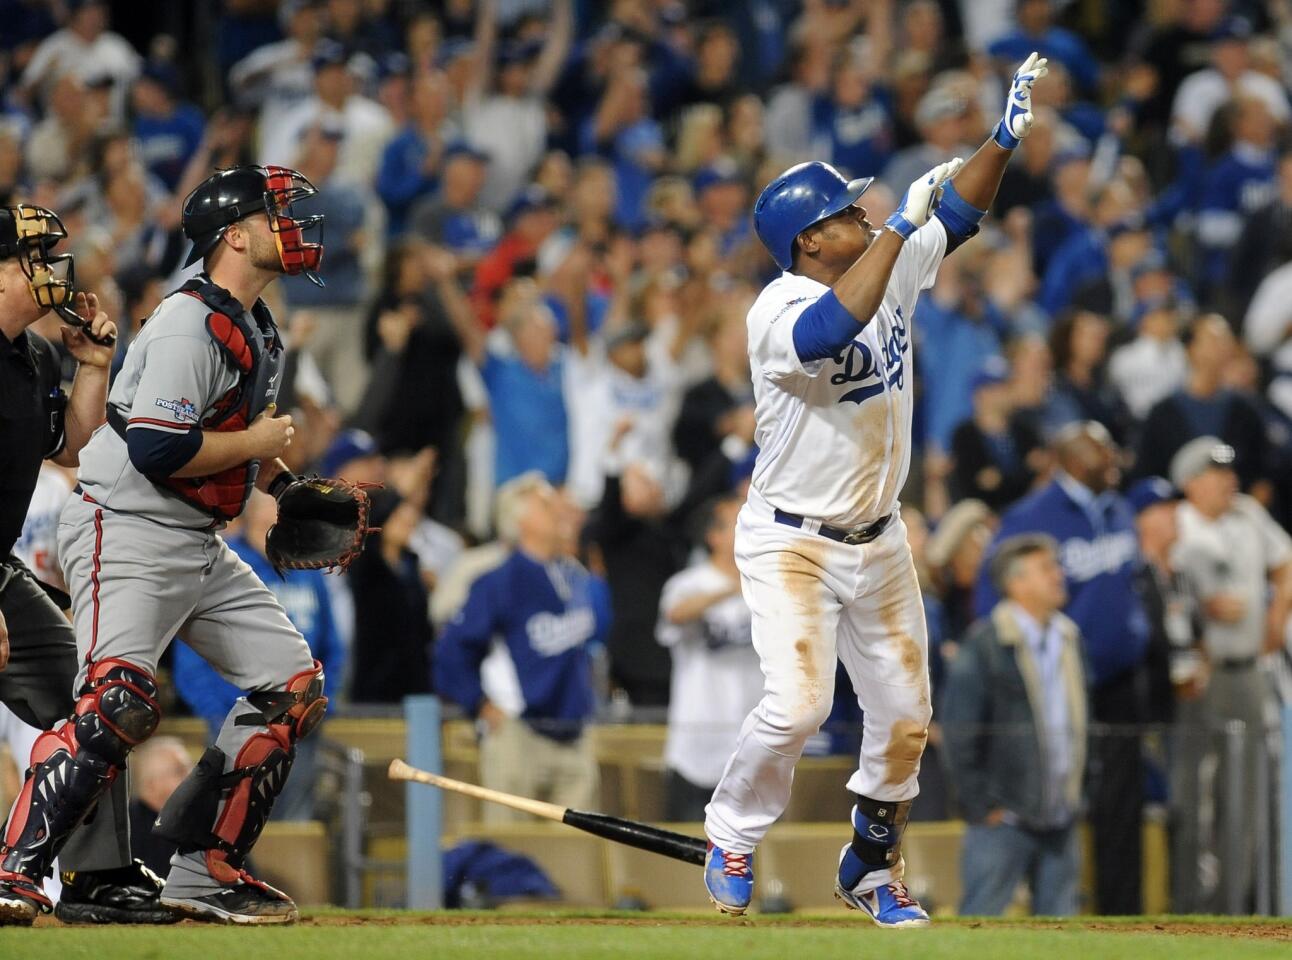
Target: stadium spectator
1099	550
1035	30
994	453
279	75
157	768
1080	390
354	242
853	126
1014	717
1204	407
1178	677
415	159
1155	364
516	656
1241	626
167	129
716	681
954	553
940	118
365	125
85	49
1258	264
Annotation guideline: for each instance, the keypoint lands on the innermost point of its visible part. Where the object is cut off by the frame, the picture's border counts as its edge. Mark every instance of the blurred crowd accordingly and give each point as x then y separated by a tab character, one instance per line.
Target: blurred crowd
538	263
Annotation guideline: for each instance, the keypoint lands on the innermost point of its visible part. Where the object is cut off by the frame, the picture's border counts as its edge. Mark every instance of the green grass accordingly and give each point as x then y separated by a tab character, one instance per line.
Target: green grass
574	936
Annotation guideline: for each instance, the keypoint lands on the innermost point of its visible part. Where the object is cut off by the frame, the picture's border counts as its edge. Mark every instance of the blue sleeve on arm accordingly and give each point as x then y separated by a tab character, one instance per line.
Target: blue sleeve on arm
462	648
159	452
823	329
958	215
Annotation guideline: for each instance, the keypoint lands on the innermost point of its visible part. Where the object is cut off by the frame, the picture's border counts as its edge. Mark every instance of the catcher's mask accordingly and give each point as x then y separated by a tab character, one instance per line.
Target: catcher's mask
231	195
30	233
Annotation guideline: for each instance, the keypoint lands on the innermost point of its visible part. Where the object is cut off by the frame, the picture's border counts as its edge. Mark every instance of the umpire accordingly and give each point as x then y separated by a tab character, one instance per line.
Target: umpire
37	647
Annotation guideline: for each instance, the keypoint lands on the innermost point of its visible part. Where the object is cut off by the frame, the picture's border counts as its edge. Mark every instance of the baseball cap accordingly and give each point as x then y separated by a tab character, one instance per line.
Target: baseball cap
1197	457
533	197
1150	491
329	53
994	370
394	64
161	73
1232	28
629	333
1154	261
714	175
461	148
349	445
453	48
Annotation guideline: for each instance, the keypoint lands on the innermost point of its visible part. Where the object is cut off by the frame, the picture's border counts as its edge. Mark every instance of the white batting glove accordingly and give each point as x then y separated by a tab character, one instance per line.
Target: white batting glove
920	198
1017	122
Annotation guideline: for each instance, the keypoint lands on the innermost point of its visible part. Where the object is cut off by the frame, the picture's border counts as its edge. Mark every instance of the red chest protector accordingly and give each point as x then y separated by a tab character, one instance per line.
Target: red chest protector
243	345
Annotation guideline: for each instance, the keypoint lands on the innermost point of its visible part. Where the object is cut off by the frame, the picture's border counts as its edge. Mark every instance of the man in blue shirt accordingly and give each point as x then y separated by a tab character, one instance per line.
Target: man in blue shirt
1099	550
1036	31
305	598
410	164
168	131
516	655
526	387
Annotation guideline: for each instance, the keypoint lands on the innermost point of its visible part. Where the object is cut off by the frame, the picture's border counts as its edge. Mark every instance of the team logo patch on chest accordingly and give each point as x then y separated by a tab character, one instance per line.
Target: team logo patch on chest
859	364
183	409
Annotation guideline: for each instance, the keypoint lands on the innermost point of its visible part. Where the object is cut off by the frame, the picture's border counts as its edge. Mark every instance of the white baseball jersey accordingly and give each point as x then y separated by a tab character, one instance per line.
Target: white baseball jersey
716	676
37	546
834	435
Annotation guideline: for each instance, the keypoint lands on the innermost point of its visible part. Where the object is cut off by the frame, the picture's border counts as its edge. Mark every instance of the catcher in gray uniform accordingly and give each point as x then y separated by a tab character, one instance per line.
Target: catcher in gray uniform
191	429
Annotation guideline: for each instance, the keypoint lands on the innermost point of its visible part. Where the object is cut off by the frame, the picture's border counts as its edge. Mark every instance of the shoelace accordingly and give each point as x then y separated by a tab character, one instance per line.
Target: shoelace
900	896
735	864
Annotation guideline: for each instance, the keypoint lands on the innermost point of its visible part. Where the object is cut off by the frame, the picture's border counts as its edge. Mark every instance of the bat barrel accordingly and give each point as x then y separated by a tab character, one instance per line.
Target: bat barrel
679	846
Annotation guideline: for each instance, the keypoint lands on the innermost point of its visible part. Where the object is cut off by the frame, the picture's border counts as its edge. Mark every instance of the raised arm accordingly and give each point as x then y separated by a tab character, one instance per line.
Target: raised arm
556	47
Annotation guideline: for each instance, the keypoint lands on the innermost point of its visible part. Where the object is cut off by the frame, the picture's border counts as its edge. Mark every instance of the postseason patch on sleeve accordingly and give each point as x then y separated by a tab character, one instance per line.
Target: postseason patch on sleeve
183	409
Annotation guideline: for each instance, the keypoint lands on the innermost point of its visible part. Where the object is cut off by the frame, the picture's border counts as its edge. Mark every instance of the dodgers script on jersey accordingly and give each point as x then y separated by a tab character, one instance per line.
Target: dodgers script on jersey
834	435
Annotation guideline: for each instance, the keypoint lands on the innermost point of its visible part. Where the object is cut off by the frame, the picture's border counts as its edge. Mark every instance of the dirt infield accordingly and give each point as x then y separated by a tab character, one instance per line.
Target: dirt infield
1244	927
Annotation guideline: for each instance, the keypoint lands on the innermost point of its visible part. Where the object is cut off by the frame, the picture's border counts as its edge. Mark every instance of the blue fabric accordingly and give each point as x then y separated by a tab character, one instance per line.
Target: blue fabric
823	329
953	347
1082	259
475	868
595	307
996	859
1099	550
1056	44
546	614
860	139
1206	416
401	178
342	207
159	453
529	418
167	143
1003	137
627	150
958	215
1239	183
305	598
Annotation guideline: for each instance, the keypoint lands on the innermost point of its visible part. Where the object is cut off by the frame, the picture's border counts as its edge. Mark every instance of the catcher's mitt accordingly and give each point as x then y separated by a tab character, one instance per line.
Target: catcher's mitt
321	524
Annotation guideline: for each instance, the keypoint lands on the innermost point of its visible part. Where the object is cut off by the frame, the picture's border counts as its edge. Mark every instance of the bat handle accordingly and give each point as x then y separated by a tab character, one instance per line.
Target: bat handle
399	770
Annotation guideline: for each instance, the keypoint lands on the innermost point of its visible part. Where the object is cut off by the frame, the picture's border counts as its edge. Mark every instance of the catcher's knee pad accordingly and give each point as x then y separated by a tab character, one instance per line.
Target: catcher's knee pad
299	706
75	763
223	812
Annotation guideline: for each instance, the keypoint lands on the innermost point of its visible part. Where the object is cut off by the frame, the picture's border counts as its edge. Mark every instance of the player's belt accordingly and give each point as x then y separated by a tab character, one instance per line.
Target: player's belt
854	536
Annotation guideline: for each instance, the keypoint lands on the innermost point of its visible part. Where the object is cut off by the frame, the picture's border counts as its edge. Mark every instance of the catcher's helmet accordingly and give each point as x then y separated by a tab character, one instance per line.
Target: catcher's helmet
804	194
30	233
230	195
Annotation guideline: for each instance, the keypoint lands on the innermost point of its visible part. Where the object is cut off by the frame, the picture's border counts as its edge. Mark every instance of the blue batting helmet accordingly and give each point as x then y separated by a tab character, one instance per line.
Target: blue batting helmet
804	194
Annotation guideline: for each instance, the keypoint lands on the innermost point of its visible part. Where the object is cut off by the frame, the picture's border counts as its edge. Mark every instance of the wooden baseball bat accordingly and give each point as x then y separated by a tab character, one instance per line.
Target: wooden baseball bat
679	846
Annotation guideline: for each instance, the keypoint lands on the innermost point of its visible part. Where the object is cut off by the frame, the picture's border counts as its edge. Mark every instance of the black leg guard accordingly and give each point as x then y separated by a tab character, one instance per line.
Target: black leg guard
877	827
74	764
223	812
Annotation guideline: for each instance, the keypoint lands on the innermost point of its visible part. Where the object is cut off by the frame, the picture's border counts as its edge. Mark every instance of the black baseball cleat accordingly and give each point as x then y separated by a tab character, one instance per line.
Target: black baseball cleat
129	894
249	901
20	900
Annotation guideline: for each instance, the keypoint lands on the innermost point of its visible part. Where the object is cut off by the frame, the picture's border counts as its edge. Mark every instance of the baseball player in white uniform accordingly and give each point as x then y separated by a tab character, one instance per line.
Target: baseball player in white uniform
822	551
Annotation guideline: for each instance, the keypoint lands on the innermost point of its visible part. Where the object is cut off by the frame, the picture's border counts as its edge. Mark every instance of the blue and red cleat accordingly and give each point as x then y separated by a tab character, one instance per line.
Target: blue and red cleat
729	878
889	905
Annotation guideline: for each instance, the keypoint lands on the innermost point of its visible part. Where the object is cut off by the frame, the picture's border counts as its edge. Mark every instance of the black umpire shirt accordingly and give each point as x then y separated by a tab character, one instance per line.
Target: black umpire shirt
31	425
